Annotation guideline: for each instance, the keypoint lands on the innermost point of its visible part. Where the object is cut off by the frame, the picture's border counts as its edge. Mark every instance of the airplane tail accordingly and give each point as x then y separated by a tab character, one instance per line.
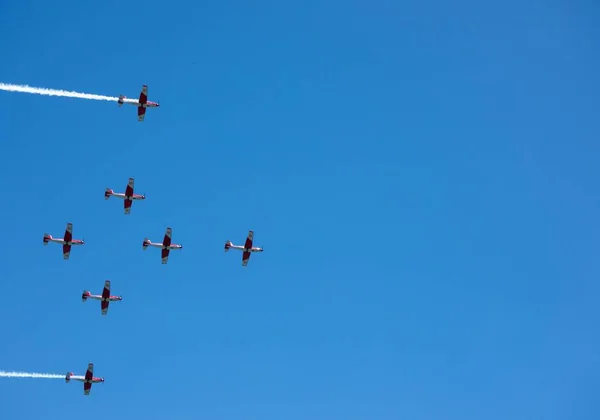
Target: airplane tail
145	243
121	97
68	377
85	295
227	245
108	193
47	238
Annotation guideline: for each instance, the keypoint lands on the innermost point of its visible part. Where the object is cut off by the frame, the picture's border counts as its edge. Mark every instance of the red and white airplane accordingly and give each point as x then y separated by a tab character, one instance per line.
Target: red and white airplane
67	241
246	249
87	380
105	298
166	245
142	103
128	196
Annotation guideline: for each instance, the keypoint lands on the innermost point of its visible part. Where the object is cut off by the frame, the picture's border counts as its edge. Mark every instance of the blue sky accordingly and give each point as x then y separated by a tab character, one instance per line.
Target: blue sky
423	177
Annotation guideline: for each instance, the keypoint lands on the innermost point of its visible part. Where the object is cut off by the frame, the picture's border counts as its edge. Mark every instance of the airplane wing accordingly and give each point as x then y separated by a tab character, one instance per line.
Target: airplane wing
89	375
105	295
247	245
166	244
68	233
245	258
165	255
128	193
144	95
142	101
167	238
129	188
90	372
66	251
67	238
249	240
127	205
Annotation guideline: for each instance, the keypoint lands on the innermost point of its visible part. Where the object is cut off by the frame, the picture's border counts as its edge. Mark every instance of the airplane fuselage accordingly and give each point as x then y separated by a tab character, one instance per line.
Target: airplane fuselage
148	104
128	197
241	248
63	242
80	378
159	245
99	297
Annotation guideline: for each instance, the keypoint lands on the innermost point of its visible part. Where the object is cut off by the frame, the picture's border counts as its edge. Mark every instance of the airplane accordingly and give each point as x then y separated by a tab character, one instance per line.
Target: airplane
166	245
87	380
142	103
247	248
105	298
128	196
67	241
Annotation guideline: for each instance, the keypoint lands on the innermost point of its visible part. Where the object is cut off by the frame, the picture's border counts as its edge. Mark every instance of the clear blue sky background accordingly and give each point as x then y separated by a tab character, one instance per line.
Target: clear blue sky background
423	177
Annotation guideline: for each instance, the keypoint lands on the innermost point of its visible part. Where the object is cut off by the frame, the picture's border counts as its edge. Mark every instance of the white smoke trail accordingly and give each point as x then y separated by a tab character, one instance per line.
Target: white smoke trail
56	92
4	374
